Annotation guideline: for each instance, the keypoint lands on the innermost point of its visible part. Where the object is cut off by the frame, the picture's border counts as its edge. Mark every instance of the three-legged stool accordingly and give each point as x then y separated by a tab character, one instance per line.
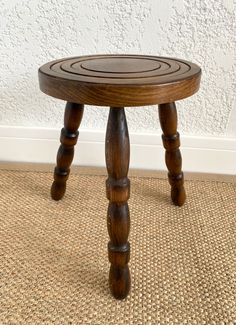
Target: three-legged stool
118	81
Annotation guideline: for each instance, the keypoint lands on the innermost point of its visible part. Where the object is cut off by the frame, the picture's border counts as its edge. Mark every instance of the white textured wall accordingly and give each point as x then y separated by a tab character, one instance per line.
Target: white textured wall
33	32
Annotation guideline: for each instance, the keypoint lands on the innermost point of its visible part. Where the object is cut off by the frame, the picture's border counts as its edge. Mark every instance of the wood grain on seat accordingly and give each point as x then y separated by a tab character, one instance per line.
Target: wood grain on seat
120	80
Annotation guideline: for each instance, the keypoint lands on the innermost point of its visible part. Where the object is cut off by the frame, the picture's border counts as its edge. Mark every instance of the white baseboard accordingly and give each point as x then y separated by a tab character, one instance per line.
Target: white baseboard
216	155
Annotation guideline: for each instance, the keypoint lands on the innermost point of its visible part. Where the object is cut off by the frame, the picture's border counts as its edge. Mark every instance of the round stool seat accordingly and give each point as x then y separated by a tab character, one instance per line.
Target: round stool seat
120	80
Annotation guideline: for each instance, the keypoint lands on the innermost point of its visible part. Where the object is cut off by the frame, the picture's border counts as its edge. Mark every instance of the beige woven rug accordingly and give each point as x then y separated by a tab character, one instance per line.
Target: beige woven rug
53	255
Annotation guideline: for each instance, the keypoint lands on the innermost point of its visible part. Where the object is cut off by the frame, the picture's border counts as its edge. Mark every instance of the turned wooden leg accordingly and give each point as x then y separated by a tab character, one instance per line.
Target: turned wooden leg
118	189
69	135
171	142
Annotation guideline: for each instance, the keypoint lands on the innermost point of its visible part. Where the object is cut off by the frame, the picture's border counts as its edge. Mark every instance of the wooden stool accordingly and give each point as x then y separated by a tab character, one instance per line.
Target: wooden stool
118	81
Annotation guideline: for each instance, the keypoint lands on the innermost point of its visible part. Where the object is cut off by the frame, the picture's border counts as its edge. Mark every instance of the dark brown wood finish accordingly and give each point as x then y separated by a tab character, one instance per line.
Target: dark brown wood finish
69	135
171	142
118	190
120	80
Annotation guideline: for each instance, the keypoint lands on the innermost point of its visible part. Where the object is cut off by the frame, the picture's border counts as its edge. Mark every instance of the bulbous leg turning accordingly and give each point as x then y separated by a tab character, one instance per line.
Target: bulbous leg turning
171	142
118	189
69	135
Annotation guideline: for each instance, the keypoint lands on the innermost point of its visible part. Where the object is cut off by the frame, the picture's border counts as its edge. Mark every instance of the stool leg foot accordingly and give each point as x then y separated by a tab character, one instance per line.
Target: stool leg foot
118	189
171	142
69	135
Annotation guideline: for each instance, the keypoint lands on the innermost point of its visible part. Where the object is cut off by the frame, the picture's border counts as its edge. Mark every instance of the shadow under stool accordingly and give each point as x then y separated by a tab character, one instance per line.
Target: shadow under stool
117	81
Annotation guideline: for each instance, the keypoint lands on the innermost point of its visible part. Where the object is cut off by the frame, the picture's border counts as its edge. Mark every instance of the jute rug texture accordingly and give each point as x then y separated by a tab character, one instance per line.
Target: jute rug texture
53	255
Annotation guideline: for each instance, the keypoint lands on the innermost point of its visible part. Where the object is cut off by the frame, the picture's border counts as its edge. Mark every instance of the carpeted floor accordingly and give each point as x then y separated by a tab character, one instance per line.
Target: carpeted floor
53	255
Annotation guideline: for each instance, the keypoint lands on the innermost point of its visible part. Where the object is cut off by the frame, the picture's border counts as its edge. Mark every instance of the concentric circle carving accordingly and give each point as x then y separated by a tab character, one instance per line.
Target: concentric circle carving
121	69
129	80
